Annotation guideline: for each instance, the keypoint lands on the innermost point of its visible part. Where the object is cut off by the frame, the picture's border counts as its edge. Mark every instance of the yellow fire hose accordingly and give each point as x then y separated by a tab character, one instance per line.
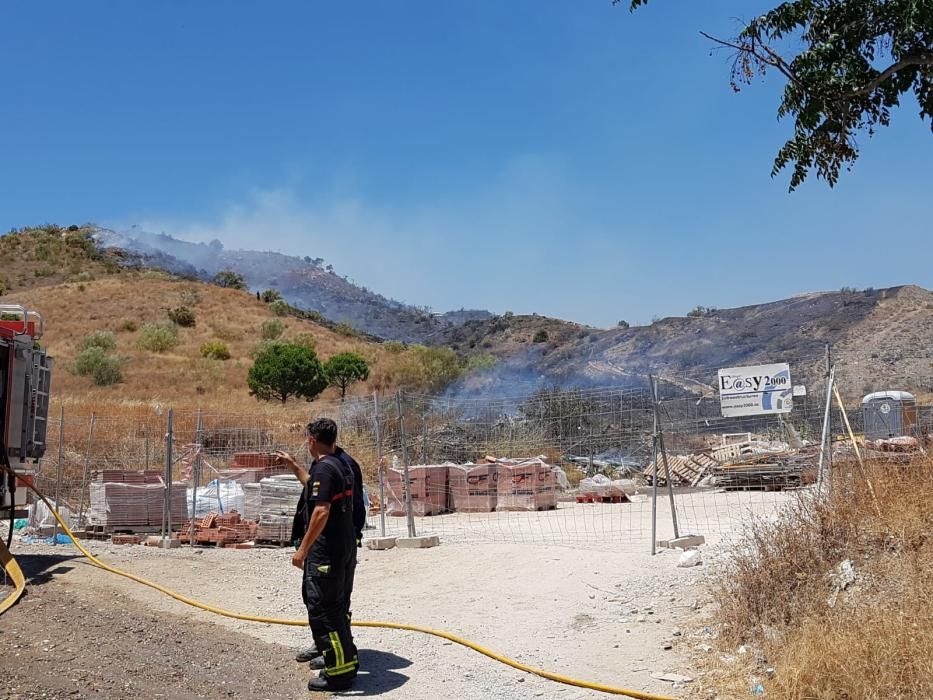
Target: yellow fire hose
16	574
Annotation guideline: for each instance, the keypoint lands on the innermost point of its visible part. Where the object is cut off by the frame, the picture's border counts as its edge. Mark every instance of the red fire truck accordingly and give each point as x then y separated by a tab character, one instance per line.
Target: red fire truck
25	375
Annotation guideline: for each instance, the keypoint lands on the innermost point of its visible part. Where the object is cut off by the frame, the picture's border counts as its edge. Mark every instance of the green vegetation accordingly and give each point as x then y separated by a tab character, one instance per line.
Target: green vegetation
215	350
279	308
624	325
846	65
284	370
95	362
541	336
272	329
182	316
105	340
271	295
345	369
230	280
158	337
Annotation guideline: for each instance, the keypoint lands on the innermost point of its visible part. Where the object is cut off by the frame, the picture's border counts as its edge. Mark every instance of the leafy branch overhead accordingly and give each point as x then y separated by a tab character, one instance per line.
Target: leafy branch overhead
847	64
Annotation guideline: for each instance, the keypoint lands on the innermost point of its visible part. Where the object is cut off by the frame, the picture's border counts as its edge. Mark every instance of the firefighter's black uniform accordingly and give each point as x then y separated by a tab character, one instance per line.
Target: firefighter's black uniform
359	511
330	567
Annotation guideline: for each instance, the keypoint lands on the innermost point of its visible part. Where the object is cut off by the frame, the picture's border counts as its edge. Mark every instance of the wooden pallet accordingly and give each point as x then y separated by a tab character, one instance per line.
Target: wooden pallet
272	544
593	498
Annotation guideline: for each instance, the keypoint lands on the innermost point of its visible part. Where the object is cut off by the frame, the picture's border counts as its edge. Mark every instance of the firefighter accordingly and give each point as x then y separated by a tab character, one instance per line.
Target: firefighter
310	654
325	538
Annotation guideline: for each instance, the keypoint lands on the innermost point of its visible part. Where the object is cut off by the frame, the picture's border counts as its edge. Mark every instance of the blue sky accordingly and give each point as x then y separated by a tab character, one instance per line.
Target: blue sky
568	158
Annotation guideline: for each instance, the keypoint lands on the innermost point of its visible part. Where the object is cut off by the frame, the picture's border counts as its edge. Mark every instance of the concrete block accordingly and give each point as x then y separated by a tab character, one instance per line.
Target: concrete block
422	542
380	542
683	542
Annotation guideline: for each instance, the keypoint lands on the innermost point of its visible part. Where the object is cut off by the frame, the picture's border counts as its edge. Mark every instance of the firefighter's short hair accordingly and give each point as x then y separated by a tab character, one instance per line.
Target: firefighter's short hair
324	430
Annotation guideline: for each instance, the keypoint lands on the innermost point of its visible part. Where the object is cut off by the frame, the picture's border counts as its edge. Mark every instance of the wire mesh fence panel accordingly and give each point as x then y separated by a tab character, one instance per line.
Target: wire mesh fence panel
583	467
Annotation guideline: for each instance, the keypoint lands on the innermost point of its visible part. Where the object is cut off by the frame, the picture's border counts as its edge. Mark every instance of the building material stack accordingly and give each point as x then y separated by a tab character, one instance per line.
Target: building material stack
526	484
128	500
474	488
222	530
253	467
278	500
428	489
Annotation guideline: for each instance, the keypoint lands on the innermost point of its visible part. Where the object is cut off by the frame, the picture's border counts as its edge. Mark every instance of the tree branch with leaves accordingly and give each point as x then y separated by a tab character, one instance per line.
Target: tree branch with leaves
847	65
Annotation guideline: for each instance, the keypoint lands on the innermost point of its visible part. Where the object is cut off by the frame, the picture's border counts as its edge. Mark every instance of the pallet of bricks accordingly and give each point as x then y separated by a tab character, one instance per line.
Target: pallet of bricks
131	501
278	500
223	530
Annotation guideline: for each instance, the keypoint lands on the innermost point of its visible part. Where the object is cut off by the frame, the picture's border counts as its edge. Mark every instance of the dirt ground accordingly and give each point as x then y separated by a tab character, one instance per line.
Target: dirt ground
65	640
609	615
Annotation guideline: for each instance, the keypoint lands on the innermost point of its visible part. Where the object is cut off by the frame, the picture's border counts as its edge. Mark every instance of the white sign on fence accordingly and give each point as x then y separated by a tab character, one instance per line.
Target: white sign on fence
755	391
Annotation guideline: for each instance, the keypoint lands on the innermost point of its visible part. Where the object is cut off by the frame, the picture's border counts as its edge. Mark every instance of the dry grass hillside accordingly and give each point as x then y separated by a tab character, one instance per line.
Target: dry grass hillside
124	303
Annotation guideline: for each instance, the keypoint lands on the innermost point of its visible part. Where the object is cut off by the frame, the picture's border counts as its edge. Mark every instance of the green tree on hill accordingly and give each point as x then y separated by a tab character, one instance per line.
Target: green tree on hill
283	370
345	369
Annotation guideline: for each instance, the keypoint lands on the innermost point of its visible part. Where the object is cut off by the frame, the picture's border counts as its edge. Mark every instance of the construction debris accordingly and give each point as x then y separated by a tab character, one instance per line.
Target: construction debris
222	530
686	470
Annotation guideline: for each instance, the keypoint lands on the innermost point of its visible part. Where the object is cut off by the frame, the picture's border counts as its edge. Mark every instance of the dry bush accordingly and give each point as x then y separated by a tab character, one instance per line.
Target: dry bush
872	639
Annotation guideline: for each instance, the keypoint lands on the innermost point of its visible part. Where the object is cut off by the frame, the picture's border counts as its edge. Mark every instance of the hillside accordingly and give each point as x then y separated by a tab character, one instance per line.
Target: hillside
80	289
879	338
305	282
83	282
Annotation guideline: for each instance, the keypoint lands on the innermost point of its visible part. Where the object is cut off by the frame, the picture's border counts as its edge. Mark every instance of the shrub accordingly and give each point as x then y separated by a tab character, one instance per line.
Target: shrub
480	363
215	350
271	295
103	368
272	329
4	286
158	337
230	280
541	336
182	316
700	311
104	340
306	340
189	296
624	325
127	325
345	329
279	308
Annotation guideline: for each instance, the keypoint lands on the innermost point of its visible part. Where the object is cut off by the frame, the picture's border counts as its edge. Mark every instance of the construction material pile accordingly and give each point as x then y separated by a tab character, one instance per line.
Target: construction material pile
123	499
278	500
222	530
253	467
492	485
747	464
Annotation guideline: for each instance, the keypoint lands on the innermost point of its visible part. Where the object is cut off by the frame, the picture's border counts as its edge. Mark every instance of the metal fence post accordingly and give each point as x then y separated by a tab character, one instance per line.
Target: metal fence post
409	510
87	465
195	478
58	475
380	467
667	469
823	470
167	504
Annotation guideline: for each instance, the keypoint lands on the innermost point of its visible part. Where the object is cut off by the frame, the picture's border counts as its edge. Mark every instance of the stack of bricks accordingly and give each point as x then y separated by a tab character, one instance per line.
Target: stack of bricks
125	539
223	530
124	498
253	467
